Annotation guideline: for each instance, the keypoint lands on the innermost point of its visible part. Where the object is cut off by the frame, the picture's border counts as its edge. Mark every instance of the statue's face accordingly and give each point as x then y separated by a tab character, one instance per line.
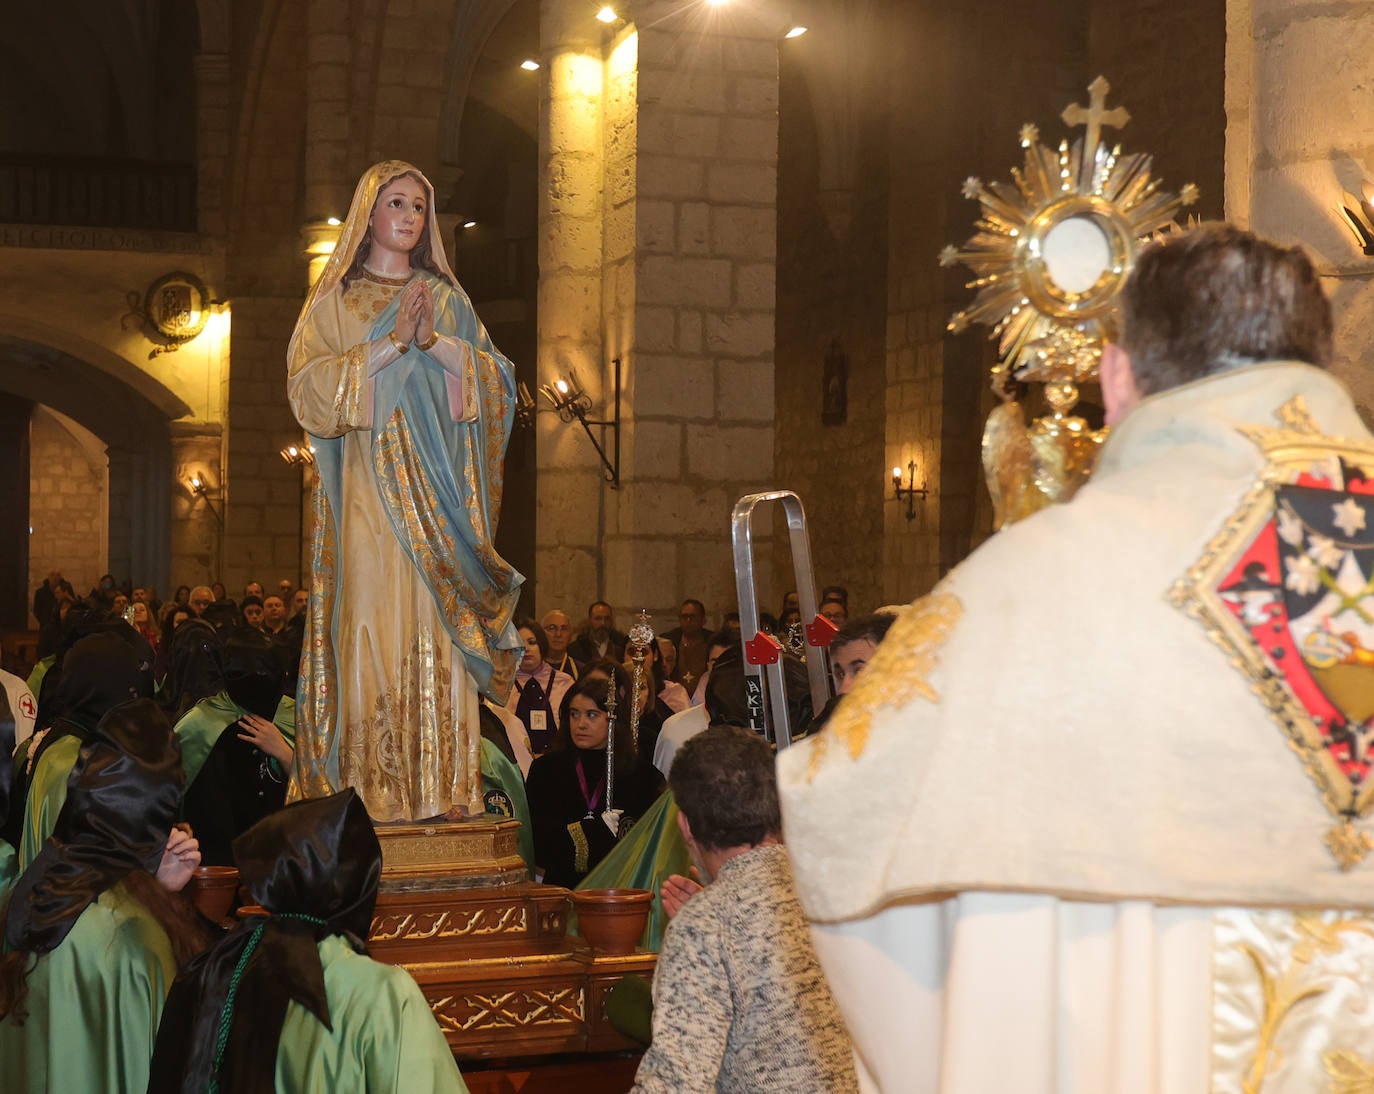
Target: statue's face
398	217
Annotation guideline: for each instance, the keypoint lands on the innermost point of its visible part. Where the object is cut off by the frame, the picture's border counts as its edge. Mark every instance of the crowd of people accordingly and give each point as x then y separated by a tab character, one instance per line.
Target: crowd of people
191	700
1052	815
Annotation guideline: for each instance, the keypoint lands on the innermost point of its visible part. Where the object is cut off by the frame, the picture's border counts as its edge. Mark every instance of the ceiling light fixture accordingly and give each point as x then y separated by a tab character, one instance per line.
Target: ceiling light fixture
795	32
607	15
529	65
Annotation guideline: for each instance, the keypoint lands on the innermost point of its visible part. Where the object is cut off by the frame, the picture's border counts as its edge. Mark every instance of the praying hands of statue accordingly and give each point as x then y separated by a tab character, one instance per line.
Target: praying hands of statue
415	313
263	734
180	858
678	890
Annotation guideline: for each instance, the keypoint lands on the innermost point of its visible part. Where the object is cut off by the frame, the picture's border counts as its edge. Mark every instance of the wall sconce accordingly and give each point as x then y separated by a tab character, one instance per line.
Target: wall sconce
571	402
301	455
1357	215
200	488
524	406
910	491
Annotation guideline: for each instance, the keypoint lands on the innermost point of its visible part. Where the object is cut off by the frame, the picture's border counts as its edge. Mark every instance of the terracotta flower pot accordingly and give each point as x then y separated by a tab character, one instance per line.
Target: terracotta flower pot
212	890
612	920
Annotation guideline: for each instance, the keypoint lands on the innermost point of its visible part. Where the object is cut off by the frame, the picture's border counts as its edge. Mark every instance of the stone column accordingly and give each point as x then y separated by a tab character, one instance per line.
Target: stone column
674	157
571	164
1300	129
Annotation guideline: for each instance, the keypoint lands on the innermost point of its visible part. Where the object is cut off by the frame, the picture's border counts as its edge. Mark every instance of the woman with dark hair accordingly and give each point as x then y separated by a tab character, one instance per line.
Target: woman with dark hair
566	787
182	597
96	927
539	687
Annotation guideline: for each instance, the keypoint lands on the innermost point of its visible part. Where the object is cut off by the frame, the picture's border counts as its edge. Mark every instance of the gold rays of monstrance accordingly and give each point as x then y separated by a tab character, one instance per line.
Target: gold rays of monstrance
1050	254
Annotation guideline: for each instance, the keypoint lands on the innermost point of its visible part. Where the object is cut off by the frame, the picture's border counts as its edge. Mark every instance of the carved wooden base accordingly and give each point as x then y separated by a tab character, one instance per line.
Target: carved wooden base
448	855
501	975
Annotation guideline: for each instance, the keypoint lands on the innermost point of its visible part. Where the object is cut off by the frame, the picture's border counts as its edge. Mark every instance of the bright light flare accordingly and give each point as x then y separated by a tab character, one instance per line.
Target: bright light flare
529	65
607	15
795	32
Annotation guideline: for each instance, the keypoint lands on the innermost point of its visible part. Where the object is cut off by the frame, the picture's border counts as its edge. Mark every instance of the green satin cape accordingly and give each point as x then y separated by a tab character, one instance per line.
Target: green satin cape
498	773
384	1038
201	726
93	1004
47	793
644	859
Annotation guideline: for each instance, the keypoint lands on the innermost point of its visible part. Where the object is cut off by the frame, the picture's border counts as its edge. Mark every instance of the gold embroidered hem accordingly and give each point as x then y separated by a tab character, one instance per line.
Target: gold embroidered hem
1291	1002
581	851
317	707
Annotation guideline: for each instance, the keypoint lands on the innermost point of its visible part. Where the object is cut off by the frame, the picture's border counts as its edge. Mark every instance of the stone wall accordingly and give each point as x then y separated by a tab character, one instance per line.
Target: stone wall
832	300
1172	83
657	243
68	502
985	71
701	388
1299	138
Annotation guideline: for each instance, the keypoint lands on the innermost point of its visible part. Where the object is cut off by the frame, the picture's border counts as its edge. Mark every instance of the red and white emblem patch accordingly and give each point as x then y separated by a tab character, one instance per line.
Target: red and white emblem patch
1287	589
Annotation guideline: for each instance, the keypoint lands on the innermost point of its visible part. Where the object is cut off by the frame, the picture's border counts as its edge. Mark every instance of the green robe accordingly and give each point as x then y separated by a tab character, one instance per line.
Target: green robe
499	774
47	793
93	1004
40	670
384	1038
201	726
9	870
652	851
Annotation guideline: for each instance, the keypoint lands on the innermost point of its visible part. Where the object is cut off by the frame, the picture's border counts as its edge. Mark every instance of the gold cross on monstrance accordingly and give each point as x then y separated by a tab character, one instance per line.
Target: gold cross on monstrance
1095	116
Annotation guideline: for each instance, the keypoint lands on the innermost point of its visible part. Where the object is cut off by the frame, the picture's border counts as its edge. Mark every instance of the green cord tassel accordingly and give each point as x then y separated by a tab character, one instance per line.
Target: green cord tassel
226	1018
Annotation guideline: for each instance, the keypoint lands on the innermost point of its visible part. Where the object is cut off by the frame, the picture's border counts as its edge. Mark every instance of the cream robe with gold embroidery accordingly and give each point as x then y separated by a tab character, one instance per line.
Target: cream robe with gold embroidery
1034	839
406	706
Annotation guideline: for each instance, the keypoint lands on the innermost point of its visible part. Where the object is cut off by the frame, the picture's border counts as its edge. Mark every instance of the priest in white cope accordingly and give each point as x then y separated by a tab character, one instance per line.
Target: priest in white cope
1095	821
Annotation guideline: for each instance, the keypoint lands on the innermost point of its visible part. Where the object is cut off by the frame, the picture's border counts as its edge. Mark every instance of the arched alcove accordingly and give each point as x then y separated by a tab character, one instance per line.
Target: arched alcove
137	436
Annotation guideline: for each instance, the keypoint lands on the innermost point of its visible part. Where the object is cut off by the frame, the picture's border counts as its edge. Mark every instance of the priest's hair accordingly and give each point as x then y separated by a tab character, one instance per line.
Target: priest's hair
1214	298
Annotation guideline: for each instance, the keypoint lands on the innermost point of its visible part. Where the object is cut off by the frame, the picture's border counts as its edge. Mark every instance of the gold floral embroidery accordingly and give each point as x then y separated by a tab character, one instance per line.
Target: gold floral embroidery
366	299
407	492
1283	991
405	754
899	672
581	851
1349	1073
350	397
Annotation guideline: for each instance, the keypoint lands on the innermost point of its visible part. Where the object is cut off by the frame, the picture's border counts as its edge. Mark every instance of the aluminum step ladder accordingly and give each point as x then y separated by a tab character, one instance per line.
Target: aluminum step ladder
763	653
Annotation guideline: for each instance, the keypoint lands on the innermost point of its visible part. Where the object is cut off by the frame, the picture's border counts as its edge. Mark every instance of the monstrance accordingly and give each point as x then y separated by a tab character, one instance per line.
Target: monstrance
1050	255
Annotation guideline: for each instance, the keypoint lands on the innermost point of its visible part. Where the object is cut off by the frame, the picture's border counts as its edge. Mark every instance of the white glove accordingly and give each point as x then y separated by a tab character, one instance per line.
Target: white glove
611	819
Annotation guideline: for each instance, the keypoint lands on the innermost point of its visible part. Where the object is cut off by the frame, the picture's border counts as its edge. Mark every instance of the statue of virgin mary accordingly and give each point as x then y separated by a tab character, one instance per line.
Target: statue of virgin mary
409	406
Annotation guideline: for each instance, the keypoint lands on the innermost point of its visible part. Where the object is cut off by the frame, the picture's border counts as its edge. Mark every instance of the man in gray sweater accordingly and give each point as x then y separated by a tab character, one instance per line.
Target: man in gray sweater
740	1002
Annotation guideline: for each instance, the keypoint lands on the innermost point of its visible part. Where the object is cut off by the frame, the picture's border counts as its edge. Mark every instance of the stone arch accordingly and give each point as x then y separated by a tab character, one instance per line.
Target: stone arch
131	413
474	21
